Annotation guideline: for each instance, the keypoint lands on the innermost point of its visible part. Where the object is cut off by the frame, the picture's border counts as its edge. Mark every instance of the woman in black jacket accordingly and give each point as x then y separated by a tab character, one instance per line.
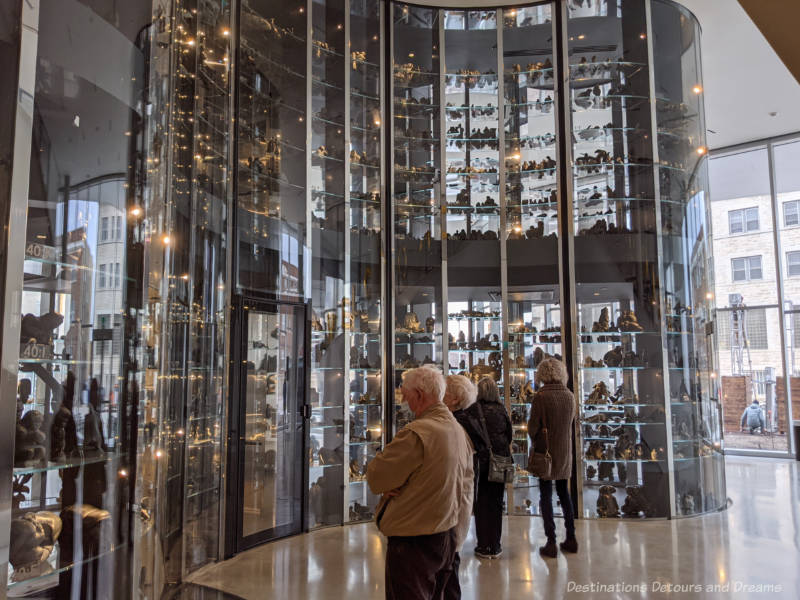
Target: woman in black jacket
489	504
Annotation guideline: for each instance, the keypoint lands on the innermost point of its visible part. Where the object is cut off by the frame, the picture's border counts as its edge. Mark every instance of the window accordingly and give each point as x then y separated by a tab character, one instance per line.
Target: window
793	264
755	325
117	228
743	220
104	229
795	329
116	275
747	268
791	213
101	277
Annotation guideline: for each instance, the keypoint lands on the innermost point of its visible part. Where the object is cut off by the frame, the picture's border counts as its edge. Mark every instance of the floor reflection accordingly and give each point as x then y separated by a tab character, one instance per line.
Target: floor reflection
756	542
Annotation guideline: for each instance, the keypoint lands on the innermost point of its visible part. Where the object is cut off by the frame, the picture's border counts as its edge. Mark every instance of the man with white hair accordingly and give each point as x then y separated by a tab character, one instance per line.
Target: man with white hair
425	476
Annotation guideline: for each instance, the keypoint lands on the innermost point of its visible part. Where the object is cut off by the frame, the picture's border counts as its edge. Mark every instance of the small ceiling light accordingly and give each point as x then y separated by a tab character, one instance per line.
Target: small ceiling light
701	150
190	42
185	277
226	32
697	89
410	55
581	37
123	472
136	211
165	240
642	36
709	295
159	454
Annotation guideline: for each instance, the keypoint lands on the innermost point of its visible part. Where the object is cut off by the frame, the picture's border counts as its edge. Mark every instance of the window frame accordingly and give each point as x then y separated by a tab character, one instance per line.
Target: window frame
796	254
796	205
748	268
744	221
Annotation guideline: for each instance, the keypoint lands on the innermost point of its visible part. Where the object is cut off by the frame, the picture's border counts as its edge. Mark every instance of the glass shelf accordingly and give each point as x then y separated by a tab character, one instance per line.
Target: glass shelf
67	464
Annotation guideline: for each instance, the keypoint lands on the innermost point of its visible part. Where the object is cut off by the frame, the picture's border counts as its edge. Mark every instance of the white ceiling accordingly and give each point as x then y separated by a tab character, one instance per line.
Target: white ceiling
743	77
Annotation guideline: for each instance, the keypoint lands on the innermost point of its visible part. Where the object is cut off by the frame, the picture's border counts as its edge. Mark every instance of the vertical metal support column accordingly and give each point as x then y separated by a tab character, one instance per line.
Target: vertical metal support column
566	240
779	271
233	142
308	258
384	314
660	258
503	233
15	256
443	189
387	204
347	296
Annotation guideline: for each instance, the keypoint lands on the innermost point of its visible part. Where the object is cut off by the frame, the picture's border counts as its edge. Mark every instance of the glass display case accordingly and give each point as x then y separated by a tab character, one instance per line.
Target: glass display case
530	254
492	234
417	184
644	362
689	302
364	246
346	191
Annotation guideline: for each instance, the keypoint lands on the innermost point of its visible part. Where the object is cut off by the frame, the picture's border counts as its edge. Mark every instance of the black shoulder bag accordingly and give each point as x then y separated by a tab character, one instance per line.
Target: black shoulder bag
501	468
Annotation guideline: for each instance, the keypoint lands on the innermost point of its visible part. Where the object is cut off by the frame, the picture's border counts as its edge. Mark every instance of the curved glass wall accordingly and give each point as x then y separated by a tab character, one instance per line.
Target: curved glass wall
493	233
526	219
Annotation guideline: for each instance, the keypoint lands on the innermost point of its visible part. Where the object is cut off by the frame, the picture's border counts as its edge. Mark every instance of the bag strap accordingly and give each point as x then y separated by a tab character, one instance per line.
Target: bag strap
485	430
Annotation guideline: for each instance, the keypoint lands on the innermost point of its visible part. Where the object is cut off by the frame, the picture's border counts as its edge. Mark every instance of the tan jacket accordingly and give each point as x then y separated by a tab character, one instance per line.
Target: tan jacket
430	462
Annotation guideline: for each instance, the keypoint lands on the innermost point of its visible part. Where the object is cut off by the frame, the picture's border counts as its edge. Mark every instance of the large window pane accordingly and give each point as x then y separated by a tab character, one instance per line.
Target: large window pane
748	320
787	176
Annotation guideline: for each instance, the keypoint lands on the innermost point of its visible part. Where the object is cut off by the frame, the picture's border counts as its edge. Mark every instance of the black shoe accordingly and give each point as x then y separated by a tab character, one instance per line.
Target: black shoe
496	552
569	545
549	550
482	552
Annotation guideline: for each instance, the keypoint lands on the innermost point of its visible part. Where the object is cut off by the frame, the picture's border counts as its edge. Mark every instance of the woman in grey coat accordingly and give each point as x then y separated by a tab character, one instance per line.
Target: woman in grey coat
554	407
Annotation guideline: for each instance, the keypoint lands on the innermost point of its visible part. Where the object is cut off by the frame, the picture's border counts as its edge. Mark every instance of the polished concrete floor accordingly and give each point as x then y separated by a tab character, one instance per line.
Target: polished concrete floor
756	542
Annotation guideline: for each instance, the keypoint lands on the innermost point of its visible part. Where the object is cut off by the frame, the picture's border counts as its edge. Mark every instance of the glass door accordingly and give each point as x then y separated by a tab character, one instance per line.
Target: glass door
271	423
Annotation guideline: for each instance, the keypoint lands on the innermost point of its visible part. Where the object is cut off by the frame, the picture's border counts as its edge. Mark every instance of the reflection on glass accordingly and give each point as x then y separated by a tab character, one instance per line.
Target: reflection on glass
78	371
271	480
271	172
686	257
